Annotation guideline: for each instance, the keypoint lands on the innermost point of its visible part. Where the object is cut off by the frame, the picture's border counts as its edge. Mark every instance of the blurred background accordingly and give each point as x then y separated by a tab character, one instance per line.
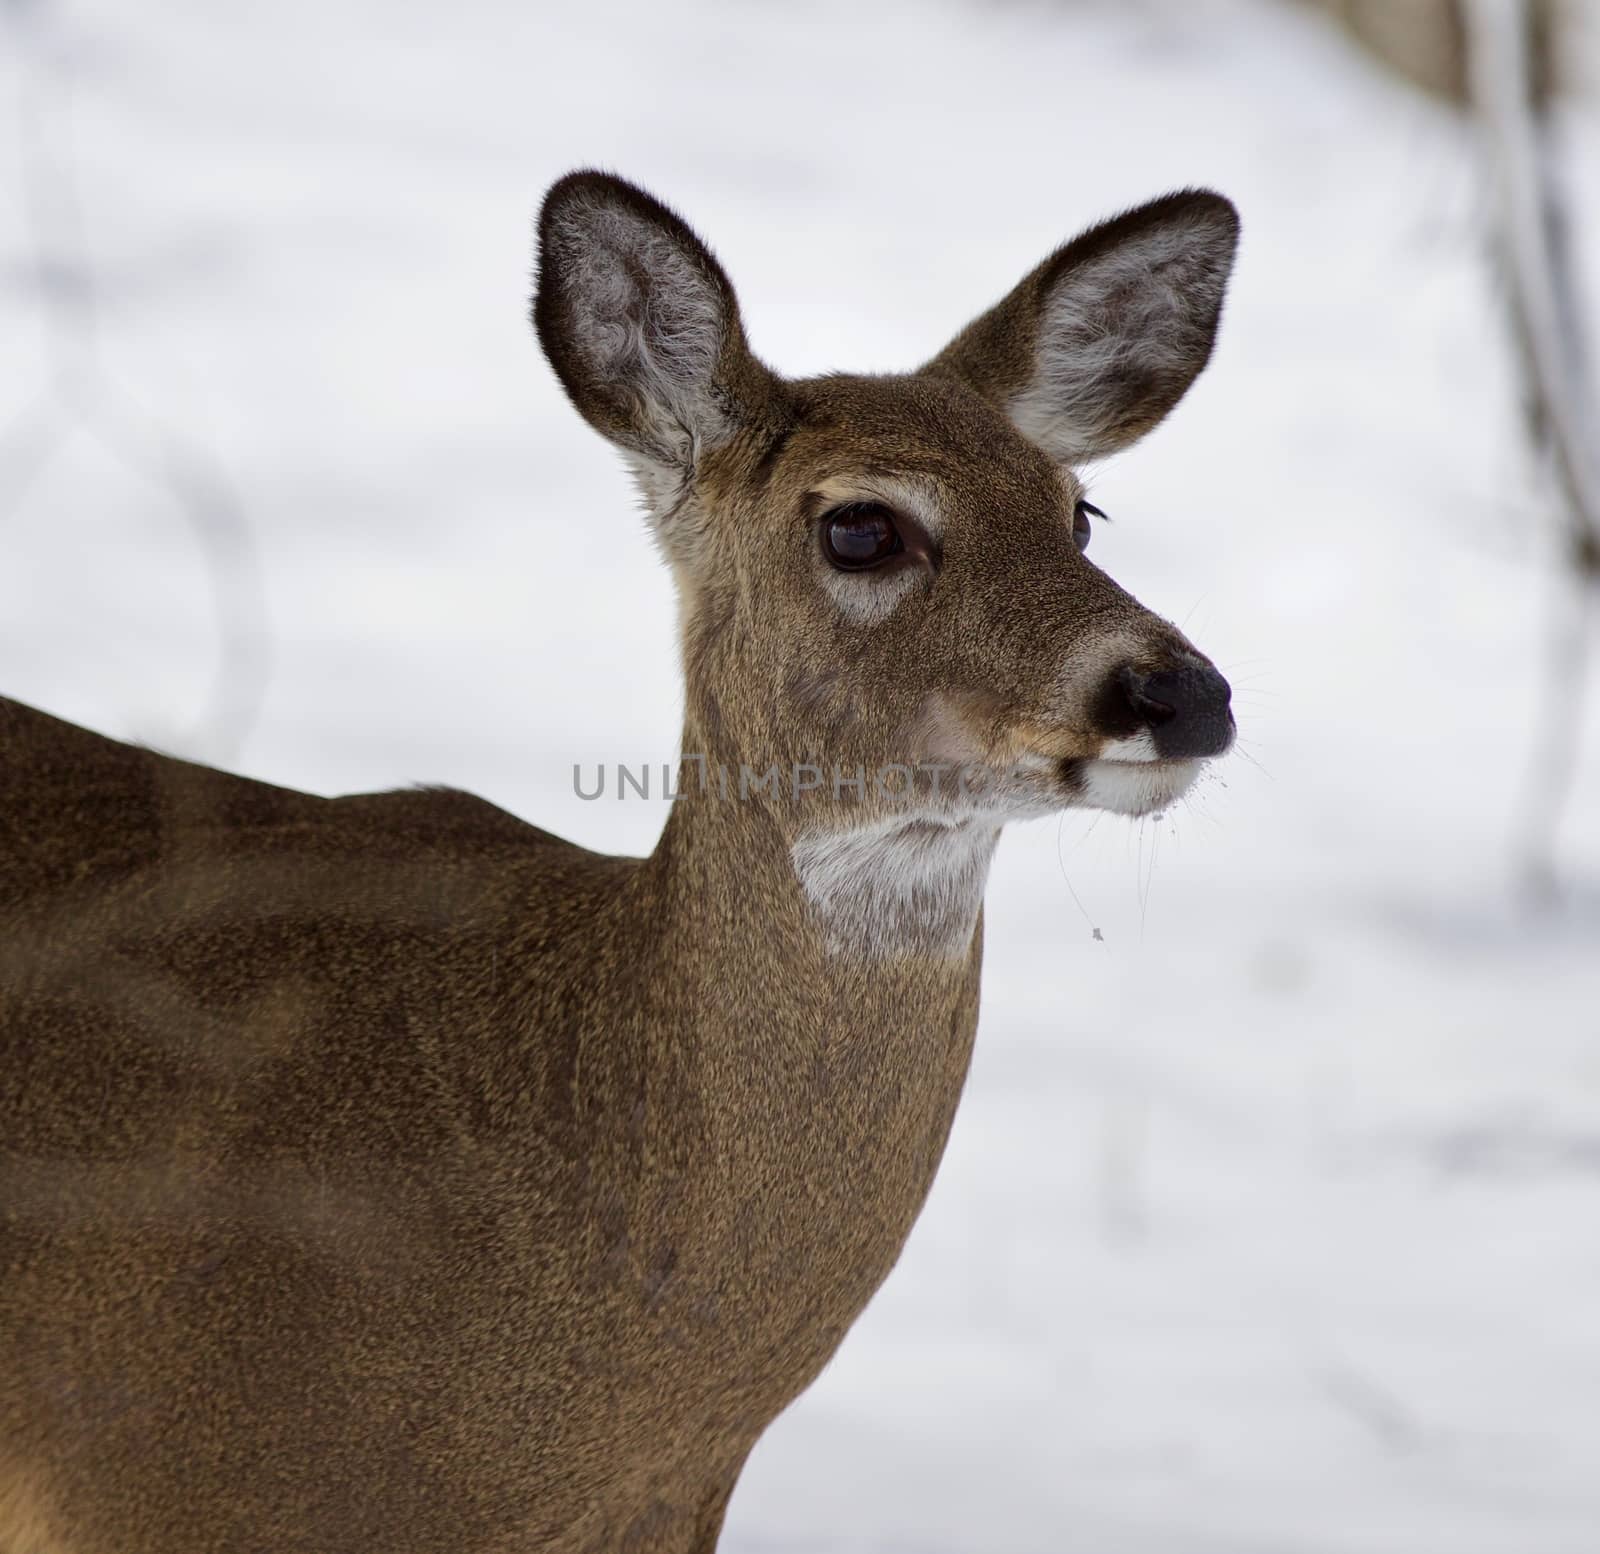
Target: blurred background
1271	1221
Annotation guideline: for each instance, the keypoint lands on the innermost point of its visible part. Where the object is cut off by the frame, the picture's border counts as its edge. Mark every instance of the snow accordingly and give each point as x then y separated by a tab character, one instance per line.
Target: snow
1271	1220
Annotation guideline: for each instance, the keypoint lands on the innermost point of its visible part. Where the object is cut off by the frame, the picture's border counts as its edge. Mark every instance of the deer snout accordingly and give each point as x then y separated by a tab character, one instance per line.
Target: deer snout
1185	710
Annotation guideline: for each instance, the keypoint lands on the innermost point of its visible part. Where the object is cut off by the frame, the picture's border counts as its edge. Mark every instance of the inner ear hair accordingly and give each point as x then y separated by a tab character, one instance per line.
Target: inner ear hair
1098	343
637	318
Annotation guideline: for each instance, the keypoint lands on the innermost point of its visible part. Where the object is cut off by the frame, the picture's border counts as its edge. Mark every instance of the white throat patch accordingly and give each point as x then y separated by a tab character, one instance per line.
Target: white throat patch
907	886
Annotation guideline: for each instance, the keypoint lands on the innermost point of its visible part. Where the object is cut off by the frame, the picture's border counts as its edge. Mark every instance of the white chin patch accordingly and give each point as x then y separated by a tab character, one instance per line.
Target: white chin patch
907	886
1136	786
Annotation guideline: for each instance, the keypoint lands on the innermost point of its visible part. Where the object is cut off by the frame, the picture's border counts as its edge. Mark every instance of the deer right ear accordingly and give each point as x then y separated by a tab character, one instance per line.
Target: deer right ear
1104	338
642	327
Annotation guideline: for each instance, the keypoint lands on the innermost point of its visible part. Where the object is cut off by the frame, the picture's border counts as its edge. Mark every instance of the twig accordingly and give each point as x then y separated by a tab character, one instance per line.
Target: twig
1546	317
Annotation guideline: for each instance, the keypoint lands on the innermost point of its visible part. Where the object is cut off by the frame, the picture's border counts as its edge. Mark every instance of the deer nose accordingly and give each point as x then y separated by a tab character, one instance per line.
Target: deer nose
1185	710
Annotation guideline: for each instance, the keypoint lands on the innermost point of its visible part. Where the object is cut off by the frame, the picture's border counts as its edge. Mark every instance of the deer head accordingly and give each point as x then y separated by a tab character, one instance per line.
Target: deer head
887	577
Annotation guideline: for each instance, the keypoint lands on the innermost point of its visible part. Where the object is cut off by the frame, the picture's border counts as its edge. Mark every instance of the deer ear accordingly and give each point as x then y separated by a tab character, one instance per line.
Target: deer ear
1103	339
642	327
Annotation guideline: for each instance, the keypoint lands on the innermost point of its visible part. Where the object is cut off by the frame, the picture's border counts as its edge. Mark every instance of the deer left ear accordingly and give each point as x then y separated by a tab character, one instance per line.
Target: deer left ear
1105	337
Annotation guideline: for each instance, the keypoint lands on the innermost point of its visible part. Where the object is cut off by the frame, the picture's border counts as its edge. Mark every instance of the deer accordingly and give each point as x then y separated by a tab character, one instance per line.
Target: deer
382	1172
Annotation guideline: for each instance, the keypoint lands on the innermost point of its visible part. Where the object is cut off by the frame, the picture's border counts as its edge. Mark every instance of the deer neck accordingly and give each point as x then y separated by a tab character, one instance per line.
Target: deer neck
829	1076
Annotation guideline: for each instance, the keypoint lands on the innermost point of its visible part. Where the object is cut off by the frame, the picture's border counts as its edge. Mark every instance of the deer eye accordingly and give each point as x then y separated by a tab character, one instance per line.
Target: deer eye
860	535
1081	515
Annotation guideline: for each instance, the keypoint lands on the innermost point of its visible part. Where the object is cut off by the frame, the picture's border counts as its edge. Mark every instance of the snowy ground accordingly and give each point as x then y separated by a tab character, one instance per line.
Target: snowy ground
1271	1224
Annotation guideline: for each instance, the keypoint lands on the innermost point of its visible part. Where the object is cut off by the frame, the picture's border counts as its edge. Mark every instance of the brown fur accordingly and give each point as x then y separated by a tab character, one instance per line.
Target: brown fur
384	1173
